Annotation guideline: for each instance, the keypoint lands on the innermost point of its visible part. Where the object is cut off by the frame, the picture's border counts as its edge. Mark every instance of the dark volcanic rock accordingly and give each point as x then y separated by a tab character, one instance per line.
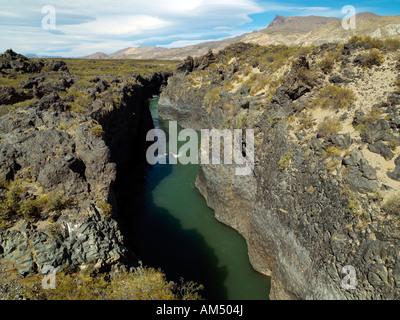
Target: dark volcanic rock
58	152
9	95
204	61
186	66
382	149
296	85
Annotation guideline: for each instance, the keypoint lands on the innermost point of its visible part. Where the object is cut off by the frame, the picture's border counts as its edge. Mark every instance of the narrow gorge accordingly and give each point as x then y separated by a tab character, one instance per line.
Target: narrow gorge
322	195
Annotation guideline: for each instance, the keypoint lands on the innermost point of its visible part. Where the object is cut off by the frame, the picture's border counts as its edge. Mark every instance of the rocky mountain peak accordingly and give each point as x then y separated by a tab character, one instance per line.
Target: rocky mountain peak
278	20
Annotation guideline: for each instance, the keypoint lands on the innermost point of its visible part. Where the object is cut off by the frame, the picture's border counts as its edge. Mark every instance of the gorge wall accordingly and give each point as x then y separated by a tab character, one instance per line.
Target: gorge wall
59	168
318	199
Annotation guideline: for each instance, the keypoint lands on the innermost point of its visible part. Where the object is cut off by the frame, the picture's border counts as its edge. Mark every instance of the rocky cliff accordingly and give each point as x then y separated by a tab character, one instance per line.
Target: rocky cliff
59	167
323	194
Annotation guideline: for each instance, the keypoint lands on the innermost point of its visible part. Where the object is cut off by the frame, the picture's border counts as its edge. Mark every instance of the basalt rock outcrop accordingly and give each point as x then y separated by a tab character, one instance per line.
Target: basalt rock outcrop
50	154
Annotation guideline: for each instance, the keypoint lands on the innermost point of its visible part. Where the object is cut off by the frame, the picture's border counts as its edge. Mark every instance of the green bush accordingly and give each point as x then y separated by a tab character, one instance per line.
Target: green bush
285	160
143	283
242	122
366	42
397	62
97	131
392	44
328	63
397	84
372	58
13	207
334	97
372	116
10	205
392	205
333	152
329	127
213	96
105	208
56	202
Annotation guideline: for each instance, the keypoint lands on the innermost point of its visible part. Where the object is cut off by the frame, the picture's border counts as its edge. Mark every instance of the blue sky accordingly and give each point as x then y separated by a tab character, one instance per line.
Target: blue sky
85	27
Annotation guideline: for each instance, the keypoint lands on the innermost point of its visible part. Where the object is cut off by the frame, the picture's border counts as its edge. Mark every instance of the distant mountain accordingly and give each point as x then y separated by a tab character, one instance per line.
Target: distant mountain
97	55
33	55
311	30
314	30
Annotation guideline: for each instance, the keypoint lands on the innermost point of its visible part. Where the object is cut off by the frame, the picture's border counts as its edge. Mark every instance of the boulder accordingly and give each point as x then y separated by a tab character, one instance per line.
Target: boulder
382	149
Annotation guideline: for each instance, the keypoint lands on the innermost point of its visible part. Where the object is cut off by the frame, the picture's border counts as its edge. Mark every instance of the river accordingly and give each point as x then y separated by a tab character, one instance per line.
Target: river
173	229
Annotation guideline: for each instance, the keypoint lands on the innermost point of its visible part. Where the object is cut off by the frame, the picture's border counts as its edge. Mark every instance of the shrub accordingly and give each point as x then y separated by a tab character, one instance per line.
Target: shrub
306	75
393	144
105	208
392	44
366	42
142	284
334	97
327	65
97	131
242	122
305	122
397	84
285	160
29	210
56	202
333	151
81	100
372	58
392	205
329	127
333	164
213	96
10	205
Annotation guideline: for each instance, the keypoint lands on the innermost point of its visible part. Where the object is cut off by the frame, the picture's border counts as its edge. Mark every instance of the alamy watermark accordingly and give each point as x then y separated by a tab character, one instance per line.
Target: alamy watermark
49	277
49	20
349	280
349	21
236	148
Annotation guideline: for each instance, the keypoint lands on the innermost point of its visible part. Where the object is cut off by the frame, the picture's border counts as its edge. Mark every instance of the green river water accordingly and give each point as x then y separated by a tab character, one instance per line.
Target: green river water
175	230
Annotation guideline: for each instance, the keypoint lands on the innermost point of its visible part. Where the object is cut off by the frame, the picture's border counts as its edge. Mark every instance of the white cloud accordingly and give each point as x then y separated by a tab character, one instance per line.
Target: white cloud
102	24
110	25
116	25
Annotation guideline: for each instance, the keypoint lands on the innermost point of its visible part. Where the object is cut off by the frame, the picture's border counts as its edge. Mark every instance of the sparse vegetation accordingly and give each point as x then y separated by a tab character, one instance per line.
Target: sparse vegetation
143	283
393	144
333	151
305	121
105	208
334	97
242	123
371	43
333	164
397	59
97	131
285	161
392	205
328	62
329	127
213	96
372	58
14	207
397	84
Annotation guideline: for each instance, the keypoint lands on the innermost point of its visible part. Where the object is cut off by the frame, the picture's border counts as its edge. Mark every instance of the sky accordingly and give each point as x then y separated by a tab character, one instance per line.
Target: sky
76	28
